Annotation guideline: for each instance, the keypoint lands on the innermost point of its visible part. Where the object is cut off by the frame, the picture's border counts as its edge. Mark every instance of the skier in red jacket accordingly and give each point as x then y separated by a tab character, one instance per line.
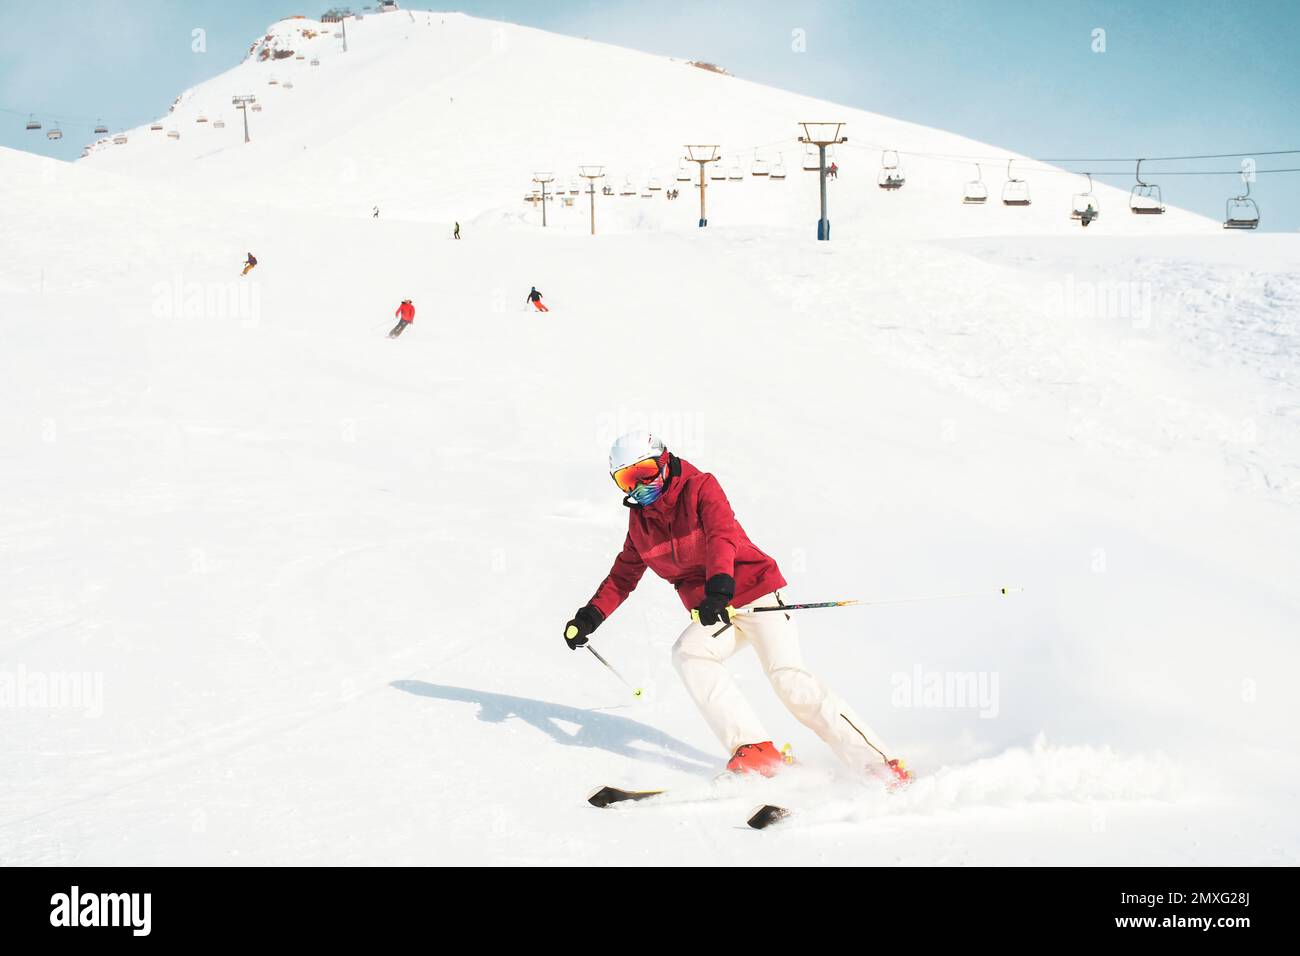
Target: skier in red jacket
681	526
406	315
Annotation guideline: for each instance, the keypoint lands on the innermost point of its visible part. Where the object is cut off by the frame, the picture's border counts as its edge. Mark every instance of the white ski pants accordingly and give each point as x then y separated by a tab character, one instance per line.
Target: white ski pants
700	658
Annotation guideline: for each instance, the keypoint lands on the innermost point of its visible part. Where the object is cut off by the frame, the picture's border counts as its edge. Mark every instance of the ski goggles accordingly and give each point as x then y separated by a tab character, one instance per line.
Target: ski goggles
629	476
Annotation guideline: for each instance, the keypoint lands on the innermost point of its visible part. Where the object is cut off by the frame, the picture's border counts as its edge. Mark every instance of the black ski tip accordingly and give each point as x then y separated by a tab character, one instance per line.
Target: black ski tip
607	796
766	815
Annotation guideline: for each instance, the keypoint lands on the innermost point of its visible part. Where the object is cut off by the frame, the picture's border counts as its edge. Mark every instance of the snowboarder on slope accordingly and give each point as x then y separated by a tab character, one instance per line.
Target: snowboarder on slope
455	233
681	526
406	315
248	264
535	298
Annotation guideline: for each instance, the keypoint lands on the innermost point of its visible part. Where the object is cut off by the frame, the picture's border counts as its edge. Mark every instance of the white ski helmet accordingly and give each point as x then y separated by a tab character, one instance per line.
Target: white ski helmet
633	447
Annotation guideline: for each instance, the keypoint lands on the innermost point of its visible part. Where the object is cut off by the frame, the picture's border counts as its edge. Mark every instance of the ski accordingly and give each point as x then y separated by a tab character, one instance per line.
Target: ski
766	815
608	796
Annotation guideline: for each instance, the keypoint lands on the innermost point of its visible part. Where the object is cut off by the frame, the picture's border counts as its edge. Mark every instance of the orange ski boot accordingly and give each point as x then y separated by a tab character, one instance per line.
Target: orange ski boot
761	758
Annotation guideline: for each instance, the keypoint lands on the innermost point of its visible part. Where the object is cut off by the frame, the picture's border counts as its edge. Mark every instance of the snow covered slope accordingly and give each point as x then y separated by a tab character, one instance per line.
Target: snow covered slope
277	589
443	117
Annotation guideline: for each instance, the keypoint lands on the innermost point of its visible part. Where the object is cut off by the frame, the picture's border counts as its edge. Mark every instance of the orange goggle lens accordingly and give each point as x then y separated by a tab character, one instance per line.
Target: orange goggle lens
627	478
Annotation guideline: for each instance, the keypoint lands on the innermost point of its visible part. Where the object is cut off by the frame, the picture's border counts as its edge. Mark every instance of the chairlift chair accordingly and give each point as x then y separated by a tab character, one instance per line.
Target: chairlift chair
655	185
100	128
976	193
759	166
735	173
119	139
683	174
646	193
218	123
1085	201
54	132
778	170
287	85
1015	192
1145	198
173	134
315	62
33	122
811	160
716	172
628	188
201	119
1243	213
257	107
891	175
155	127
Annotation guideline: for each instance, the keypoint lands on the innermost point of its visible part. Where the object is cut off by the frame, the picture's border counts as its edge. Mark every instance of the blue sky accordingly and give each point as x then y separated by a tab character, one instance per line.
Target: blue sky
1177	77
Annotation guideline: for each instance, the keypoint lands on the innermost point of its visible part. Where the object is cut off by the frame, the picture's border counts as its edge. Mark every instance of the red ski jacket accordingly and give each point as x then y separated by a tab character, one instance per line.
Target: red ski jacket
686	536
406	311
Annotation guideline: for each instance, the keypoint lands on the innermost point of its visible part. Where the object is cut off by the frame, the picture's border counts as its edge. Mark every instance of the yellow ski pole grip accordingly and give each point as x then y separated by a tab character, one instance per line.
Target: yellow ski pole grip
570	632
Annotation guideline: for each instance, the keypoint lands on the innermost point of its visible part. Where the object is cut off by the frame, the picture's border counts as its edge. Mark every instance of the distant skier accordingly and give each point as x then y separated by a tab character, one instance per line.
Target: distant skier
455	233
681	526
375	214
406	315
248	264
535	298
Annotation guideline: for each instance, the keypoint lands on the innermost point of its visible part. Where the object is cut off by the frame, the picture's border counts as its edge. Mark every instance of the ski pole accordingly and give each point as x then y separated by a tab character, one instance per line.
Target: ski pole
850	603
636	691
906	600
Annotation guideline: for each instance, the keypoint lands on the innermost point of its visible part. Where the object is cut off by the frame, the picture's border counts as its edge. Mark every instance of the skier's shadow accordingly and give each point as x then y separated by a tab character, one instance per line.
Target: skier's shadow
607	732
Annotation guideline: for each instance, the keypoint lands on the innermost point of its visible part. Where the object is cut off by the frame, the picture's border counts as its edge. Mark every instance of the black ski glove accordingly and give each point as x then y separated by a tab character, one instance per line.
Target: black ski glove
715	607
579	629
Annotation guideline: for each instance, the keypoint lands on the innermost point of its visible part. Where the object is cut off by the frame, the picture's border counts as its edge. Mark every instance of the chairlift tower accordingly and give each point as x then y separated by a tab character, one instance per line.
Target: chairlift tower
702	155
822	135
542	179
242	103
591	174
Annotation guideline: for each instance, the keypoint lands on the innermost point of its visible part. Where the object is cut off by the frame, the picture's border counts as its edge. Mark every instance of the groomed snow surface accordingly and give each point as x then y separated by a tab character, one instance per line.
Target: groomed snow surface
277	589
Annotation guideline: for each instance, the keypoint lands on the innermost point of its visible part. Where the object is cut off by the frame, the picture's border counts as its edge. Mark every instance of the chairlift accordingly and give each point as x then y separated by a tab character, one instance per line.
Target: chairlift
201	119
716	172
287	85
735	173
628	188
155	127
33	122
218	123
54	132
891	175
574	187
1015	192
1145	198
607	190
976	193
119	139
1242	213
1084	207
759	167
300	57
315	62
683	174
778	170
257	107
811	160
646	193
655	185
100	128
173	134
